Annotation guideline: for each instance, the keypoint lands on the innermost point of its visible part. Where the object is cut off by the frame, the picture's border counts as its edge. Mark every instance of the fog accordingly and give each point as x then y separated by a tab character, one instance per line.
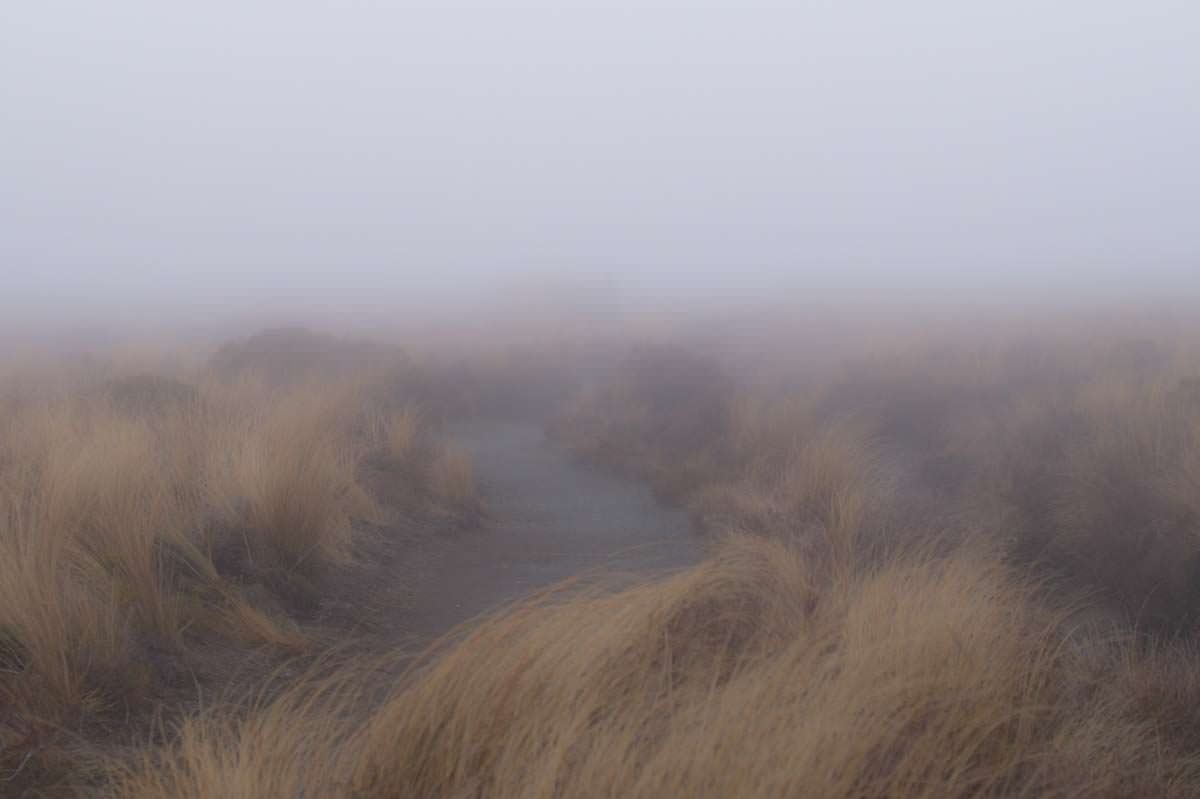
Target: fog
366	158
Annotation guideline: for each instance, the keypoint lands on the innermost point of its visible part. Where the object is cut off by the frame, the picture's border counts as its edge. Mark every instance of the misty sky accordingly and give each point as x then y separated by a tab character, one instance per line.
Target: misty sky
227	154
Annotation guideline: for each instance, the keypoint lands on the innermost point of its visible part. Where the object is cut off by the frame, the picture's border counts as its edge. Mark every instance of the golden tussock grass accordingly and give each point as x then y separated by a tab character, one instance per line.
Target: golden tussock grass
891	605
287	482
1076	447
143	519
754	674
289	745
401	430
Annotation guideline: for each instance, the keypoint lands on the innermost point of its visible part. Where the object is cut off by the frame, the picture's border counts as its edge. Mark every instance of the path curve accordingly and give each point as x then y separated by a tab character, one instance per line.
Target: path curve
550	518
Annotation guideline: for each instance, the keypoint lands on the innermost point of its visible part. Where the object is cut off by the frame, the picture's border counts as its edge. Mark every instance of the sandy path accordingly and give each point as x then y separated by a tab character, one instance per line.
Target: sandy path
550	518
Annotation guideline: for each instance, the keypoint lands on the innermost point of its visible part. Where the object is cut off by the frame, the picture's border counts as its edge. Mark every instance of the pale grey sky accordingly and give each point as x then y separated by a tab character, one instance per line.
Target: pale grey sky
371	155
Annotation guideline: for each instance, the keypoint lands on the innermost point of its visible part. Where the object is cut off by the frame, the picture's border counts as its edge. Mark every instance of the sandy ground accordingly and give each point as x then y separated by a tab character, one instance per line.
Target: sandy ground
550	518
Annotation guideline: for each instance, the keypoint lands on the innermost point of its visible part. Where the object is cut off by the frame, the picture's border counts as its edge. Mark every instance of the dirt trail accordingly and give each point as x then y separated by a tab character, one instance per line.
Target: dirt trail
550	518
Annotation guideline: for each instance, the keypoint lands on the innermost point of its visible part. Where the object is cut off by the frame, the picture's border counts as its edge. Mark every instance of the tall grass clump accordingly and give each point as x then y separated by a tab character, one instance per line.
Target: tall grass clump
452	476
1099	484
288	741
1074	448
99	567
286	486
759	673
145	520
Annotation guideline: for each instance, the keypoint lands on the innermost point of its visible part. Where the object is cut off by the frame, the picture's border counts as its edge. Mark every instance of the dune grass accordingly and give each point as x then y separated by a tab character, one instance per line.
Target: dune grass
145	521
1077	450
754	674
842	640
965	571
452	476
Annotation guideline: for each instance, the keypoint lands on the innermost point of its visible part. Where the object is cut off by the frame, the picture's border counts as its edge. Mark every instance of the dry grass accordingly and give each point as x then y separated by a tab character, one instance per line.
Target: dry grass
452	476
1099	483
1080	450
664	416
401	431
144	520
755	674
286	483
837	645
289	746
891	608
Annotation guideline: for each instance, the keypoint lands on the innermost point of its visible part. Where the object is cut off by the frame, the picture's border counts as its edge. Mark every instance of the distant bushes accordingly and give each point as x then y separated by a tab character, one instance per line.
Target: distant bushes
664	416
295	354
1080	456
1102	485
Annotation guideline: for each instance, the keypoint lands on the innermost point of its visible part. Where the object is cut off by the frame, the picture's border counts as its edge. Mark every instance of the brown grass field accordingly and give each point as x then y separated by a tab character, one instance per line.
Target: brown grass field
944	561
162	537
